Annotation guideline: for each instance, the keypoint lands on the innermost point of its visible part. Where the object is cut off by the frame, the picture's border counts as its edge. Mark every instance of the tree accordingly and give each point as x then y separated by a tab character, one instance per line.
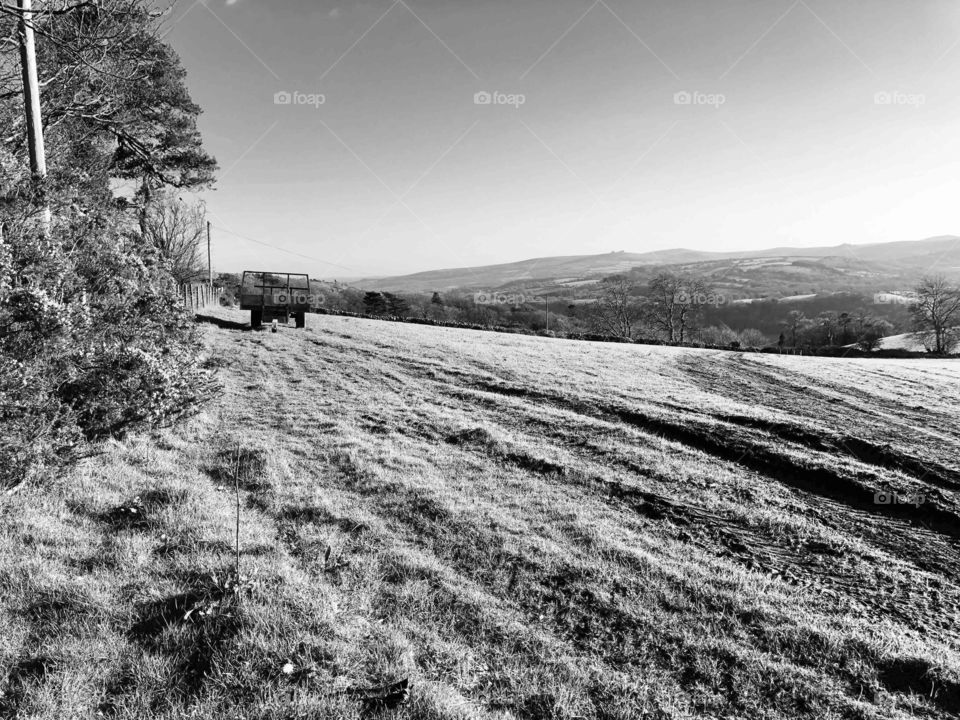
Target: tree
617	312
112	85
844	321
828	323
751	337
437	309
396	305
871	333
177	230
675	305
93	339
936	313
374	303
793	323
721	336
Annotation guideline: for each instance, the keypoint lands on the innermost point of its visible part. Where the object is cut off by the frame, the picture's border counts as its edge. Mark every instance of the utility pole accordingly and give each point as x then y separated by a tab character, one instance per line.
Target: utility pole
31	105
209	263
546	311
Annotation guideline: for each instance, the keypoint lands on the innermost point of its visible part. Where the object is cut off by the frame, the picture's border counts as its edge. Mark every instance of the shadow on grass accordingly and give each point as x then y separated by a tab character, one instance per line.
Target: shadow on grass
224	324
138	513
915	676
248	464
195	630
24	675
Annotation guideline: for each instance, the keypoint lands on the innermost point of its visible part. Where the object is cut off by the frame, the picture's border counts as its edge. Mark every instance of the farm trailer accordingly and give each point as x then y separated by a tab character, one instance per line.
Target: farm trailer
273	296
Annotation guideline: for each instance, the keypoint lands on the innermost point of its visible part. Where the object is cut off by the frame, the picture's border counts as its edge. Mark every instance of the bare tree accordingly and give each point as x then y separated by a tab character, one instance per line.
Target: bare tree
936	313
176	229
793	323
617	312
675	305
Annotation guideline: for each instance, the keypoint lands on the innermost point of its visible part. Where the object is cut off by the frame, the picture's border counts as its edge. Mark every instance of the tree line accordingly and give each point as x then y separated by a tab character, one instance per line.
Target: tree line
670	308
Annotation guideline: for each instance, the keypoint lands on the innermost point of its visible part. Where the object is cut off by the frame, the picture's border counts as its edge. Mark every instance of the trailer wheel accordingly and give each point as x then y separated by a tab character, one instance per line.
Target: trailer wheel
256	318
301	319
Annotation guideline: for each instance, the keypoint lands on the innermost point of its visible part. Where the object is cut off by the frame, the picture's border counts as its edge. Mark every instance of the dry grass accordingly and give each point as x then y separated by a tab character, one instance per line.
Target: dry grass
521	527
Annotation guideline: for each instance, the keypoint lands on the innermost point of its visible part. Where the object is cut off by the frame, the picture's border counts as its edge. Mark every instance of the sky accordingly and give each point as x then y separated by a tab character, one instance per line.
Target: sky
427	134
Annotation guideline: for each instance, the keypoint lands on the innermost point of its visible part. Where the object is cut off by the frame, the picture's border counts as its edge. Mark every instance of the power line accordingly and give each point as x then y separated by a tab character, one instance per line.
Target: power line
275	247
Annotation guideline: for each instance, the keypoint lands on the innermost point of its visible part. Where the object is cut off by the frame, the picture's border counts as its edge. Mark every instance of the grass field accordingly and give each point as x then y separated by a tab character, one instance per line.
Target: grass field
518	527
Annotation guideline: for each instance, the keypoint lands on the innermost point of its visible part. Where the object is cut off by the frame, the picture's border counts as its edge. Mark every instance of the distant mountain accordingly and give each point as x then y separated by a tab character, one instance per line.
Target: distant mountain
548	268
881	262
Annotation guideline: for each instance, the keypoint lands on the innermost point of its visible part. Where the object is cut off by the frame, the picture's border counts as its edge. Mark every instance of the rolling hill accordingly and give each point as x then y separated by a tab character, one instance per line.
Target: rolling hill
872	266
474	525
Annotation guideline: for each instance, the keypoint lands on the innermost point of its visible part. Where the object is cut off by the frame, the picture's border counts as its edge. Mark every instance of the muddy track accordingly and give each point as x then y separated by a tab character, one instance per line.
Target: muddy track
867	452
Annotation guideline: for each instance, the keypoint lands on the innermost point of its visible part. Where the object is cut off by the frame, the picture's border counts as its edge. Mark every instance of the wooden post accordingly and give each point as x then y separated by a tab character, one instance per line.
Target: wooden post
209	262
31	106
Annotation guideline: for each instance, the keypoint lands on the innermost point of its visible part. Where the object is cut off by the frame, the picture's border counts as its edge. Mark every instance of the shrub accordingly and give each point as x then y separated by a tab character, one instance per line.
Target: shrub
93	342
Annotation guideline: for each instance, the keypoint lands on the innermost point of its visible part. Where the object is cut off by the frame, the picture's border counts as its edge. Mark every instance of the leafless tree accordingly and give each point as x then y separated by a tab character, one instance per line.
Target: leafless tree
937	313
176	229
617	312
675	304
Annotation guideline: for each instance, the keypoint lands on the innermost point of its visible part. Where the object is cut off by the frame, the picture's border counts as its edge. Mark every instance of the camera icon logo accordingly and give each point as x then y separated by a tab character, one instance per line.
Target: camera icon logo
883	498
483	298
282	98
682	98
883	98
482	98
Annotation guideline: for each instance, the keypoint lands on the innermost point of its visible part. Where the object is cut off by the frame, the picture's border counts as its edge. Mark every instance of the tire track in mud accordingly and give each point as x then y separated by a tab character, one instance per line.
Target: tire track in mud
869	453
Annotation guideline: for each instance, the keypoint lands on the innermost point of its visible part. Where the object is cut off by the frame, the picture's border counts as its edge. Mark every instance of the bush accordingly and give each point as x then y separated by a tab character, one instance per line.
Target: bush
93	342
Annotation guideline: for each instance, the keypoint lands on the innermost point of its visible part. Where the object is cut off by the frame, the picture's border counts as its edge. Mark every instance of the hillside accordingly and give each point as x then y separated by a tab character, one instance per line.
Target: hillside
517	526
872	267
492	276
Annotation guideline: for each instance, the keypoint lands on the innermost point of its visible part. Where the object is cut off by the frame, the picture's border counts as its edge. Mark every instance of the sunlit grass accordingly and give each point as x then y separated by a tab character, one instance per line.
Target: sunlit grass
520	527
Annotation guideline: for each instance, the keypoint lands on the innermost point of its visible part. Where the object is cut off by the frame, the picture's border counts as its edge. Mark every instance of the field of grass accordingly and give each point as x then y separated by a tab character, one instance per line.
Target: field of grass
518	527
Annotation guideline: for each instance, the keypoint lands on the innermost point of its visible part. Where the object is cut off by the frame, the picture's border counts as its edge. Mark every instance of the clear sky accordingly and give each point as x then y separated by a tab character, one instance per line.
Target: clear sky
620	125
